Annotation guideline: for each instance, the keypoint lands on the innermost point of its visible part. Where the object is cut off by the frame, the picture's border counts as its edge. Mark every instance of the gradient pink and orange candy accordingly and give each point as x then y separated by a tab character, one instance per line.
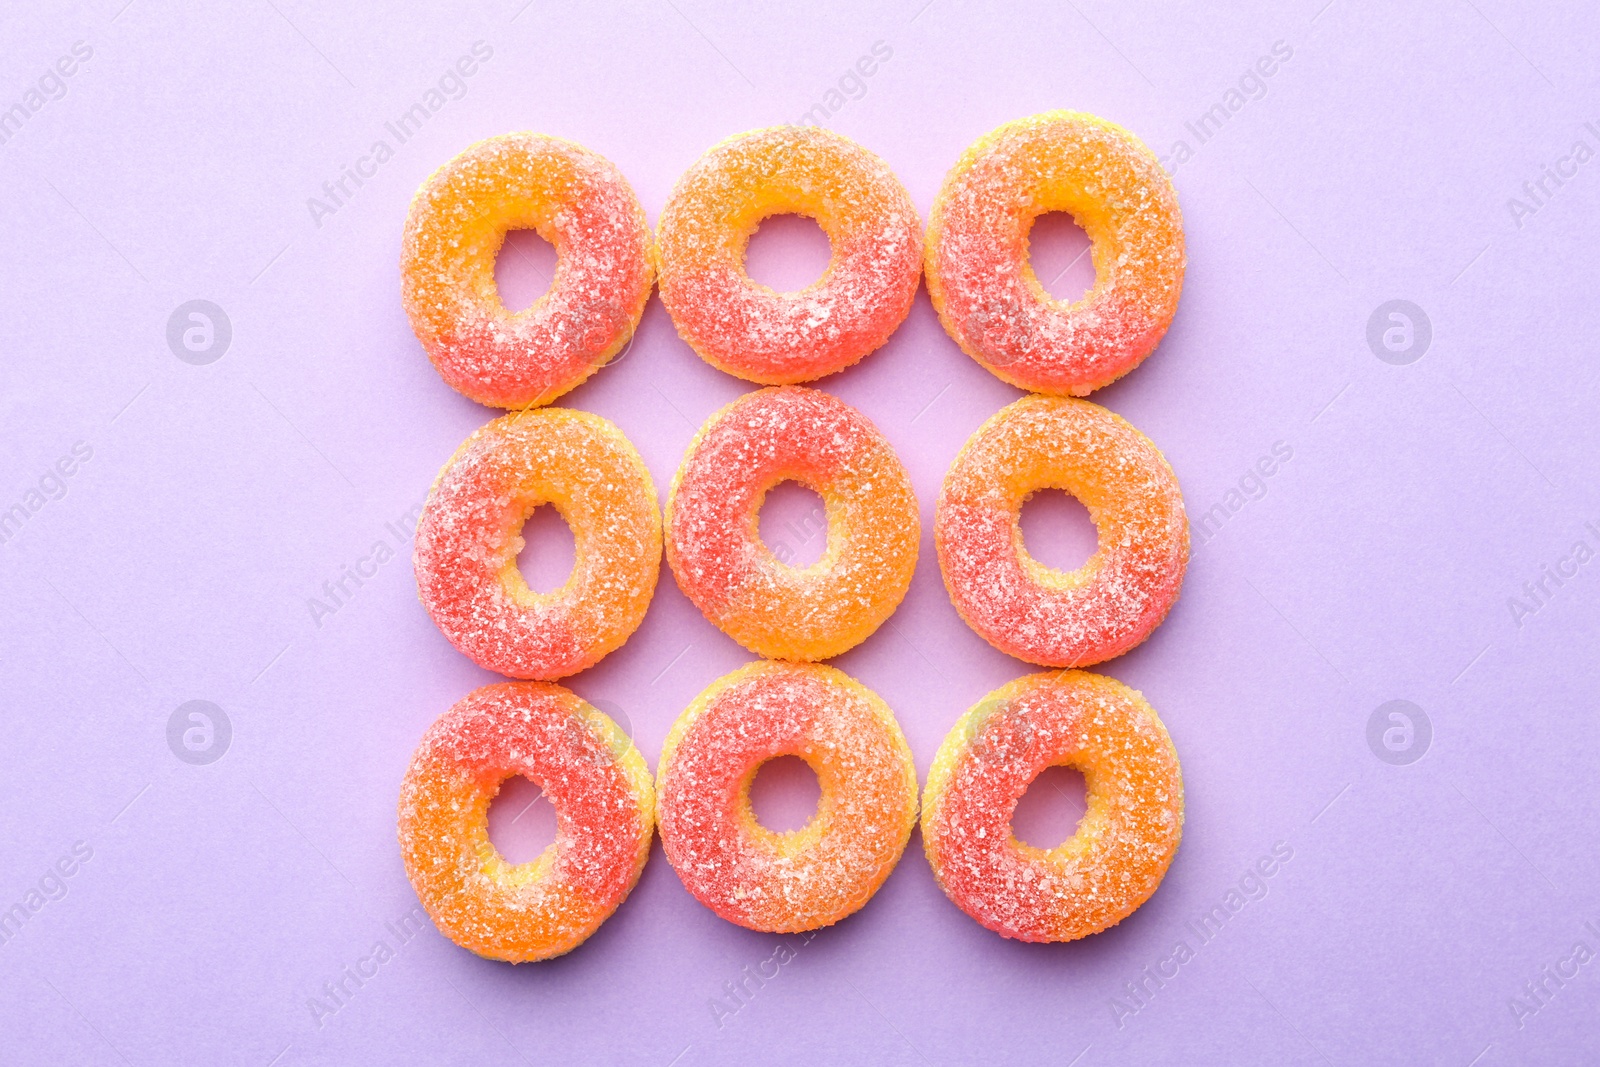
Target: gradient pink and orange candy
573	198
1035	612
470	534
750	330
715	549
981	279
806	878
1127	837
605	811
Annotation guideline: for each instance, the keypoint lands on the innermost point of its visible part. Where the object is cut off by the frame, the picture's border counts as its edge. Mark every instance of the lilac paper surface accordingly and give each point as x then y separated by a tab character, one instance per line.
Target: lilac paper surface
1430	911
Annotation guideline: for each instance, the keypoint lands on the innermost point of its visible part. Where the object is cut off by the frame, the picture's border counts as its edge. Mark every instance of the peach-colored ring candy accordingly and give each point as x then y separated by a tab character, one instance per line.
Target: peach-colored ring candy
604	803
470	534
714	545
1123	844
1019	605
757	333
978	270
573	198
806	878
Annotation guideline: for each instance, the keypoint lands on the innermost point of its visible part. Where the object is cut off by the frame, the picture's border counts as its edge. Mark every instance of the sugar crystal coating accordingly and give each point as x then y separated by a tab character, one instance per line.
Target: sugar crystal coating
604	801
471	531
1123	844
714	545
806	878
1034	612
757	333
573	198
984	287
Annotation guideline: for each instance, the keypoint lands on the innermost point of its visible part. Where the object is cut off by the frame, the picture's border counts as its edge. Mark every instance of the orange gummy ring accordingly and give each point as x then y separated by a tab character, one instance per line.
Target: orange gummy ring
604	803
1125	841
470	534
714	544
806	878
754	332
981	280
573	198
1019	605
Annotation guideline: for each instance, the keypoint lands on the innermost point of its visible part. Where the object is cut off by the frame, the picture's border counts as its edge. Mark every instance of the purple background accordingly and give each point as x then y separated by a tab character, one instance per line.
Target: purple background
1375	163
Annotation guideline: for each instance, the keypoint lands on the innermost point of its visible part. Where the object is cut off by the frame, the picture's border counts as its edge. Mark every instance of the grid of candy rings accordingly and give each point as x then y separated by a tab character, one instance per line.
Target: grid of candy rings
974	257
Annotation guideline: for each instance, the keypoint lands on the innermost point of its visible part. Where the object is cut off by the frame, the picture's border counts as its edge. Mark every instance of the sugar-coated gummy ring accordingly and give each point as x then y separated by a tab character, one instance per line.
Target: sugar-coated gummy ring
1123	844
1034	612
757	333
714	545
978	270
604	801
470	534
806	878
573	198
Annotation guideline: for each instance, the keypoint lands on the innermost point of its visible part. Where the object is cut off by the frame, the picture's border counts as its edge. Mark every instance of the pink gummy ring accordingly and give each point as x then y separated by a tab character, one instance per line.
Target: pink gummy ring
983	285
1125	841
757	333
714	543
471	532
1034	612
828	869
605	818
573	198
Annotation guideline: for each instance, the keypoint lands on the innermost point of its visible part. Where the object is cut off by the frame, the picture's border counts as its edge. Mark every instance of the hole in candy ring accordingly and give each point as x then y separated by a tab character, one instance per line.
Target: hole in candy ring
1048	814
788	253
793	523
1057	530
524	269
1058	249
522	821
784	794
549	551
